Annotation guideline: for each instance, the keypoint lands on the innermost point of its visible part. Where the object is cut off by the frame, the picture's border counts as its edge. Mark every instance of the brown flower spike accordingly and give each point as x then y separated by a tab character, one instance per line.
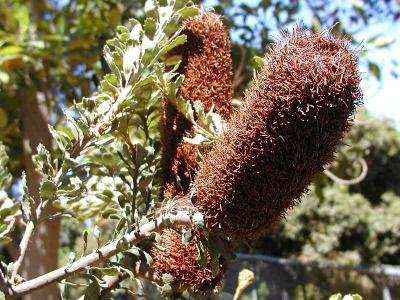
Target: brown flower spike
207	66
180	261
295	113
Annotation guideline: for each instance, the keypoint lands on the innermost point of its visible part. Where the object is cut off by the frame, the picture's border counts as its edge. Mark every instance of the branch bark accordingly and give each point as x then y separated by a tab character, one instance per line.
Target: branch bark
23	246
101	254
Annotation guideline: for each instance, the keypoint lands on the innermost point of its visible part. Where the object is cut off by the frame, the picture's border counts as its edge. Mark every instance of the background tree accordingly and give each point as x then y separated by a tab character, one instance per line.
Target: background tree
348	224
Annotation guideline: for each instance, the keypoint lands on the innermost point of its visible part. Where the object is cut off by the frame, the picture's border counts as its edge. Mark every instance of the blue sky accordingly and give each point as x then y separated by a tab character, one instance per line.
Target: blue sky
382	98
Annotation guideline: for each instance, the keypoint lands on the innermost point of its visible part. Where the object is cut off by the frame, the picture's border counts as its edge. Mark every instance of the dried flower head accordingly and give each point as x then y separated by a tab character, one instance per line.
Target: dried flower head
207	66
295	113
180	261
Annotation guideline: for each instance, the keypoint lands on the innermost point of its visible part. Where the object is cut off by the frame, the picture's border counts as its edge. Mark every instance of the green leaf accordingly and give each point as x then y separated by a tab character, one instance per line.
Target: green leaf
93	291
148	257
58	138
42	161
179	40
150	28
187	236
123	245
381	41
3	118
85	241
7	211
136	33
257	62
201	257
48	189
198	139
111	62
374	69
166	290
5	176
4	78
126	270
5	240
214	265
108	212
150	8
36	44
21	14
134	250
198	220
167	278
121	225
131	61
188	11
111	271
27	204
7	50
110	84
7	228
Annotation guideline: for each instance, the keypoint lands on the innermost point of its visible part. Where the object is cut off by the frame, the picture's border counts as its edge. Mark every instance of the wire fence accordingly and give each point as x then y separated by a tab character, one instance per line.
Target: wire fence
287	279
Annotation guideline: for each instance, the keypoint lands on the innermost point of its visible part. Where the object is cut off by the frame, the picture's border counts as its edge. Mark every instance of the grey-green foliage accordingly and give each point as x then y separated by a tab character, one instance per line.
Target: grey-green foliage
5	176
106	159
8	208
116	129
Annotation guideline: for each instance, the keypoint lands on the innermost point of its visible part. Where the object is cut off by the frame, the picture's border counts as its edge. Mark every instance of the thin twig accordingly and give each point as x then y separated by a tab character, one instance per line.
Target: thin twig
23	246
103	253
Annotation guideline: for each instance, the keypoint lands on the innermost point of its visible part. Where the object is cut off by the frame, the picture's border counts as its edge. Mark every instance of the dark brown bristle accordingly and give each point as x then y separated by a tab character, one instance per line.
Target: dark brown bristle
180	261
294	115
206	64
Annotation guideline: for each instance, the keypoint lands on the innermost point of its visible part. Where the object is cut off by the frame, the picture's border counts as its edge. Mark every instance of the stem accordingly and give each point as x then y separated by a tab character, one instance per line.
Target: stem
101	254
23	245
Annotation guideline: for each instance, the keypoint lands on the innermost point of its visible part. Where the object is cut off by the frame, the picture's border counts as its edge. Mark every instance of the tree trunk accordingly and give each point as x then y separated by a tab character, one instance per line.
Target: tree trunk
42	253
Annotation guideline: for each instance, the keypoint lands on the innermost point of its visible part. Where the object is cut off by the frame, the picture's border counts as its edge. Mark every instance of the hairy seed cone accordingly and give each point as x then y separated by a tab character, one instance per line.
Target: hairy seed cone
180	261
295	113
206	64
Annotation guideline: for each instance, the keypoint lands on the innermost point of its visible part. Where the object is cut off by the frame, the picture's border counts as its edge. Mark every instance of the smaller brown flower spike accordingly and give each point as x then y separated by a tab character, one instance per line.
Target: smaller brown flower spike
294	115
207	66
180	261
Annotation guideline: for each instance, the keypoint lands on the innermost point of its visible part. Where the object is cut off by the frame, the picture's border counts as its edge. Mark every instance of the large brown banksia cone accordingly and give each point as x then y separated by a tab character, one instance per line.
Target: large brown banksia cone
294	115
207	66
180	261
